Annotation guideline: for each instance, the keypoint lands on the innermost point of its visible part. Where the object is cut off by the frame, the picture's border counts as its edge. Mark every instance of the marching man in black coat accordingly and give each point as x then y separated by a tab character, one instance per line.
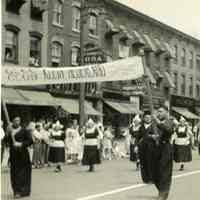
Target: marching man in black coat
155	150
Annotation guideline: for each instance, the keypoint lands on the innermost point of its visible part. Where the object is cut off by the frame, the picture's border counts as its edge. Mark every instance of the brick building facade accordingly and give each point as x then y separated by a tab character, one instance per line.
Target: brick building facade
47	33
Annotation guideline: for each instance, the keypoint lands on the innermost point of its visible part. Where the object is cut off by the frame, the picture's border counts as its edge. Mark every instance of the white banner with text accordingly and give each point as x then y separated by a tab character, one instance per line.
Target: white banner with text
120	70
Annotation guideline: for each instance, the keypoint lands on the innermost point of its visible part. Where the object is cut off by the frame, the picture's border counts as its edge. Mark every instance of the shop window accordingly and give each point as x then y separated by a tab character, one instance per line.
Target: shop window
183	57
75	55
14	5
11	46
56	54
183	84
191	87
58	12
123	49
76	15
191	59
35	51
93	24
175	54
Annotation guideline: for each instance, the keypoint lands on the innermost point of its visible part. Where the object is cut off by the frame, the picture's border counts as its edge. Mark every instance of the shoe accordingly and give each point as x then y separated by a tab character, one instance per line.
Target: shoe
17	196
163	195
181	168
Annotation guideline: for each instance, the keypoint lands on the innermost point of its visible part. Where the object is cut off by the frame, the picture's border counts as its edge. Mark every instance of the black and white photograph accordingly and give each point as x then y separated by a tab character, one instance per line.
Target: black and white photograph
100	99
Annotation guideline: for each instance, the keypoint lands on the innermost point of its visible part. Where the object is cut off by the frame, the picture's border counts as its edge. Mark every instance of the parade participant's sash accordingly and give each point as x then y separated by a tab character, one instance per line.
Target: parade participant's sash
119	70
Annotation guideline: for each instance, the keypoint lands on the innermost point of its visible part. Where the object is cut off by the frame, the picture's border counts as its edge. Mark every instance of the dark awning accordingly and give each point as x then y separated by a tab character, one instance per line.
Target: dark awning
72	106
137	38
185	113
149	44
122	107
12	96
37	98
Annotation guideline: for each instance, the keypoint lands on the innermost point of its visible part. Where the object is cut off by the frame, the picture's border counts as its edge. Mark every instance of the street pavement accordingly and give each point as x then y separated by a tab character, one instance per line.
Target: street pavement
113	180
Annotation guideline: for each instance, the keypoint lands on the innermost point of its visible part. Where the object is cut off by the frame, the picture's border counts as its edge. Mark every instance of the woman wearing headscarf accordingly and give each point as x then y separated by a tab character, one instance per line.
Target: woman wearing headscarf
91	154
182	144
134	132
19	139
57	146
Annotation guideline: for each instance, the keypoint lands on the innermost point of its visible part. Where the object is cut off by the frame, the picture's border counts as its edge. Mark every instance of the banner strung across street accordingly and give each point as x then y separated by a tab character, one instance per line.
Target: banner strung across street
125	69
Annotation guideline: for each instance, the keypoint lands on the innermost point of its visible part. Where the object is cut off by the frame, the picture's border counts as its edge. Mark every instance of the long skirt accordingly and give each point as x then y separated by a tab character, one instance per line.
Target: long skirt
182	153
91	155
56	154
133	155
20	171
37	153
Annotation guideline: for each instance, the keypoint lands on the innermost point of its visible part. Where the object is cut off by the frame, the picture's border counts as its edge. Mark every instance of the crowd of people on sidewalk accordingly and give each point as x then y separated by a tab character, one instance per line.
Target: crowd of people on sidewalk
42	143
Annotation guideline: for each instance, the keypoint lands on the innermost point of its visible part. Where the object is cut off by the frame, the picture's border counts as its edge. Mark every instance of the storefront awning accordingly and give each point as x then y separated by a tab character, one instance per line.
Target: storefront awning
185	113
125	35
149	44
111	29
123	108
37	98
12	96
72	106
159	46
168	80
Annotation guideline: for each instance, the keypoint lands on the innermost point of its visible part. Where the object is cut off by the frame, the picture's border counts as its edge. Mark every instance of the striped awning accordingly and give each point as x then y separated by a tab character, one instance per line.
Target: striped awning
185	113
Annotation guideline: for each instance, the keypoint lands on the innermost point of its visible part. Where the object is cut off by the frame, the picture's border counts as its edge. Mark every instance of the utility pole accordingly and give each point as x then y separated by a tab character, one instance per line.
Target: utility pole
82	85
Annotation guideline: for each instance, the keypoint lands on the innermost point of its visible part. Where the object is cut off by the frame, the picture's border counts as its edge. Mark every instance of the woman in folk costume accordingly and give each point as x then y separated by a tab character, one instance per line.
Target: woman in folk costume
71	142
182	144
57	146
37	146
19	139
134	132
107	143
91	154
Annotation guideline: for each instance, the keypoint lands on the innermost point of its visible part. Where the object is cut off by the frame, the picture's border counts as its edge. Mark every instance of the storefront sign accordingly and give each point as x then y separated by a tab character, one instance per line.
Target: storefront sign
180	101
125	69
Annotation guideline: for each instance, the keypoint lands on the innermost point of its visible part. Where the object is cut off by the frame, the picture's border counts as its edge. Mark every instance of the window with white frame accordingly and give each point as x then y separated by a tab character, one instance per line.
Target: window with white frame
35	51
93	24
58	12
75	52
76	15
123	49
11	46
56	54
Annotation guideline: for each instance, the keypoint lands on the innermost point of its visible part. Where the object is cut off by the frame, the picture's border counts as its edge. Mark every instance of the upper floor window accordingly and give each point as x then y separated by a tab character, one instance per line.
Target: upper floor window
197	90
75	52
14	5
76	15
183	57
191	58
175	54
35	51
93	24
175	82
37	8
183	83
56	54
123	49
198	62
11	46
191	87
58	12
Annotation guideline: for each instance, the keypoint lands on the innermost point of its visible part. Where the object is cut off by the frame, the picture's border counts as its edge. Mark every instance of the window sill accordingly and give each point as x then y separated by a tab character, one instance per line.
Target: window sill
76	30
58	25
93	36
11	61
